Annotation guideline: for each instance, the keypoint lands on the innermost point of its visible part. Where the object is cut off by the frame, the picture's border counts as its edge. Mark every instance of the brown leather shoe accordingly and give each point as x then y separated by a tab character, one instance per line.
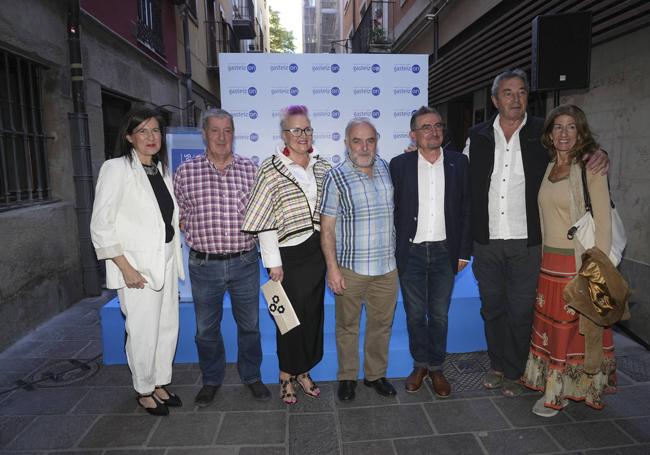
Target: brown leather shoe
440	384
414	380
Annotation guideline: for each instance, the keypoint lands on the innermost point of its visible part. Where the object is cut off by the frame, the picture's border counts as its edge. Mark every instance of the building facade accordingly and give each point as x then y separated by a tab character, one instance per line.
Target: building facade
320	25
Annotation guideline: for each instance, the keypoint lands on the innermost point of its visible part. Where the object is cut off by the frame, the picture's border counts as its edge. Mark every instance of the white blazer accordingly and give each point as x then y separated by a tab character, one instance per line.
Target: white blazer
126	221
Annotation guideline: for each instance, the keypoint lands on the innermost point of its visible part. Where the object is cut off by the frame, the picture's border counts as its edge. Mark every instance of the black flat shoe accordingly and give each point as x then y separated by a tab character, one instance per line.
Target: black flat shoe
381	386
173	400
346	390
159	410
206	395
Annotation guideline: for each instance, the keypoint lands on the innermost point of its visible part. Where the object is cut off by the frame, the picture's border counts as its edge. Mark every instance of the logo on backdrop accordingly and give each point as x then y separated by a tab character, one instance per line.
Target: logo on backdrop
401	135
334	91
252	114
320	67
399	113
251	91
336	136
241	67
415	91
326	113
374	91
293	91
255	159
291	67
406	68
336	159
363	67
374	113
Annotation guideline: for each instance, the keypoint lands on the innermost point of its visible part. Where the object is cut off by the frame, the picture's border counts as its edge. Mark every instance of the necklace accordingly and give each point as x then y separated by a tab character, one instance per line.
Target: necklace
150	169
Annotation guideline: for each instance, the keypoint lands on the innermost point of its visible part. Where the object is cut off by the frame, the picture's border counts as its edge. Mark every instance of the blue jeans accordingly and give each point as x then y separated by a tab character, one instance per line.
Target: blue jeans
239	276
426	286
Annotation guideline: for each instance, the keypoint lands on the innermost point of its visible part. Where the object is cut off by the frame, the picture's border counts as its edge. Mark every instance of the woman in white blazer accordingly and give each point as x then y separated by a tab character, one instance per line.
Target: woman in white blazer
134	227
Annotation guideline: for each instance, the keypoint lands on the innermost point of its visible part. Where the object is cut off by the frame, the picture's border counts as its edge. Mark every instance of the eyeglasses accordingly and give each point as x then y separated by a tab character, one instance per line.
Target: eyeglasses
297	132
427	128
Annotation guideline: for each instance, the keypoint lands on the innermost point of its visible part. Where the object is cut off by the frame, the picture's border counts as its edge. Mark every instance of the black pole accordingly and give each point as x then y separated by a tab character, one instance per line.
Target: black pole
81	157
189	113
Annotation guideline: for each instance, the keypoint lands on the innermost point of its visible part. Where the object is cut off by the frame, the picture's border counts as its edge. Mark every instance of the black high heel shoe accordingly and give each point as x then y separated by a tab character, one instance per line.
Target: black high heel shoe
160	410
173	400
311	389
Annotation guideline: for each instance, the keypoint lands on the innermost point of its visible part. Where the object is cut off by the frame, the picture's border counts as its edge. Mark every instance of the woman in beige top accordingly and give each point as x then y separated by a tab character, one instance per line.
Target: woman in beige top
557	350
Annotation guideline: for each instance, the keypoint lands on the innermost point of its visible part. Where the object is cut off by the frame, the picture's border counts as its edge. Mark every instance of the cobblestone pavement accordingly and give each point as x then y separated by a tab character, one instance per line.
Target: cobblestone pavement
56	398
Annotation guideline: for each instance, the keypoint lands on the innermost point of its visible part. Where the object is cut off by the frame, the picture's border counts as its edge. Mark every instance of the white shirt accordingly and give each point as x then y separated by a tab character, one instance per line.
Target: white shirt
269	244
507	194
431	201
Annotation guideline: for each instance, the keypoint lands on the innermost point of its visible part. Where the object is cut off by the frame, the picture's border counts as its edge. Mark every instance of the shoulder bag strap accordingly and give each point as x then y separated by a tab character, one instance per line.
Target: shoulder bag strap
585	191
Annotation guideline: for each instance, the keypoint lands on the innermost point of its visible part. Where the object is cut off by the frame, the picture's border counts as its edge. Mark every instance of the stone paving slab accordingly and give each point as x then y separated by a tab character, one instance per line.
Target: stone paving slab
517	442
455	444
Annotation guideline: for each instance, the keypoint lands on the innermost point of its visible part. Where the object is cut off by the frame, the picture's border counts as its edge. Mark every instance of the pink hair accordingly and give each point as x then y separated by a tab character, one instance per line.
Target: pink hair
292	109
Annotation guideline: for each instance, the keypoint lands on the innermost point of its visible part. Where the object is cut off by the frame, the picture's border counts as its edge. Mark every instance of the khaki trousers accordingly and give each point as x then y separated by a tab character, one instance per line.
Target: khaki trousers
379	293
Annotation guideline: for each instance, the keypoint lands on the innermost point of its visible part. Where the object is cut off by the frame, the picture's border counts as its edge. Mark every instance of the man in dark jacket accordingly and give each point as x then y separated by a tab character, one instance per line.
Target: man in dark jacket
507	165
432	223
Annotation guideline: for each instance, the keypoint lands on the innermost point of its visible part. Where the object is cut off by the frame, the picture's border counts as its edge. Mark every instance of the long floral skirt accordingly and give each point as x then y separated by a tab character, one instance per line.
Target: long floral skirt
557	349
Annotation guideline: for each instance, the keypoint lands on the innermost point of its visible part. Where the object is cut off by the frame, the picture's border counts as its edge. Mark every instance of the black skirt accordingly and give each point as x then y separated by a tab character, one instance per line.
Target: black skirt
301	348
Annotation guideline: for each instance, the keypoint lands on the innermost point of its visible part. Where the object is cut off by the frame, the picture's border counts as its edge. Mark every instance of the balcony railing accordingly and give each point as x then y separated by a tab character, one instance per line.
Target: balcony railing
373	33
149	25
243	19
220	38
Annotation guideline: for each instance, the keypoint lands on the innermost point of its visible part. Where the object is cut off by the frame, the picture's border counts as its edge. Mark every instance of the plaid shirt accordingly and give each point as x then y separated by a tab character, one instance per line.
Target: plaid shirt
278	202
363	207
212	203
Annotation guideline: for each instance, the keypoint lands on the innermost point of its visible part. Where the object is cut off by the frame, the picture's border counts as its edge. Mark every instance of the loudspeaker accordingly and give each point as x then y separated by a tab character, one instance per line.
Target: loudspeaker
561	54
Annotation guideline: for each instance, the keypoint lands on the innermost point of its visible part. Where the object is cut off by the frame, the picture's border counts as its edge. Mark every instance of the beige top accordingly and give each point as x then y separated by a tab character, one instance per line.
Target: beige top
561	204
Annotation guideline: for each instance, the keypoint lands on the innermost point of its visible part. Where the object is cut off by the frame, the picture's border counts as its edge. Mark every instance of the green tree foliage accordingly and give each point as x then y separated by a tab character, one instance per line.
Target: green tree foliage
281	38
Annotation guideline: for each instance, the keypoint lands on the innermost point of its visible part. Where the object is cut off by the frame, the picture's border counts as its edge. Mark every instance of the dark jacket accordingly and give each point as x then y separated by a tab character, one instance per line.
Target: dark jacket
404	172
481	164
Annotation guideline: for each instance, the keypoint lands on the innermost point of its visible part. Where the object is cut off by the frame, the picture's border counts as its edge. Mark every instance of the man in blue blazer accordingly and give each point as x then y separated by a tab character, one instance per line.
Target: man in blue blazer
432	221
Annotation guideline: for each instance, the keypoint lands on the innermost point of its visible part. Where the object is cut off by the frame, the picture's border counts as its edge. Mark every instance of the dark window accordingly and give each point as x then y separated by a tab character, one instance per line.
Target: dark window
149	25
114	107
23	157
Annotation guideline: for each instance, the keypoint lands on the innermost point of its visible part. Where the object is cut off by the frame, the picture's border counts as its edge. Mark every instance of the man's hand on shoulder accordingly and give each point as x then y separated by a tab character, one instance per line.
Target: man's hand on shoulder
597	162
411	148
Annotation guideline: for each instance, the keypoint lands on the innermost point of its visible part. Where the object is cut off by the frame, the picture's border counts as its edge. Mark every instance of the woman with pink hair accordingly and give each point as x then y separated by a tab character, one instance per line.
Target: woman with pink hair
282	212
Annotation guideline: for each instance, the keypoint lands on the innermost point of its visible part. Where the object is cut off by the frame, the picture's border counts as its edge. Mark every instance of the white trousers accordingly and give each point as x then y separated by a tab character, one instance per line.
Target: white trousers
152	328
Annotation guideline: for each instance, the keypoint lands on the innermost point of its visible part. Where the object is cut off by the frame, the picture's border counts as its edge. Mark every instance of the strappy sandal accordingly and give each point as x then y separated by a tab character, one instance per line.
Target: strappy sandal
159	410
172	400
511	388
493	380
312	391
286	396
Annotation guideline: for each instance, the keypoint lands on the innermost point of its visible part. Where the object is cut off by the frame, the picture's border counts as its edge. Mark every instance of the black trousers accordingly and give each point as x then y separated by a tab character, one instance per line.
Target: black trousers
301	348
507	272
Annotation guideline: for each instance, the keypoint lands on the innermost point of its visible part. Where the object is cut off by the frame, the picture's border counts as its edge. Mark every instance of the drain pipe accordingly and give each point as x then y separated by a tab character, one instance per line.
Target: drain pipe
187	76
81	160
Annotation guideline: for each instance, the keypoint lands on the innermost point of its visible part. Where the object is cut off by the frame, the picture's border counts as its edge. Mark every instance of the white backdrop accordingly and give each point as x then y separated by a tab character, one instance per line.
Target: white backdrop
335	88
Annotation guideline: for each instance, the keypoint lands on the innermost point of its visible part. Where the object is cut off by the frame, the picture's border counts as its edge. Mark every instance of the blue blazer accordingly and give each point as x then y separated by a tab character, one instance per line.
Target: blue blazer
404	172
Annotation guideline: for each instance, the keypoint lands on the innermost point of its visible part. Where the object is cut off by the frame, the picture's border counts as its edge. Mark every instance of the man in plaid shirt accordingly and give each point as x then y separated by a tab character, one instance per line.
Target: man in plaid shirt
212	192
358	242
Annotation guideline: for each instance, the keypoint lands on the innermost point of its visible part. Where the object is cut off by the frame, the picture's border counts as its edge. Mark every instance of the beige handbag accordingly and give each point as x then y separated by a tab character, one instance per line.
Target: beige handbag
279	306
